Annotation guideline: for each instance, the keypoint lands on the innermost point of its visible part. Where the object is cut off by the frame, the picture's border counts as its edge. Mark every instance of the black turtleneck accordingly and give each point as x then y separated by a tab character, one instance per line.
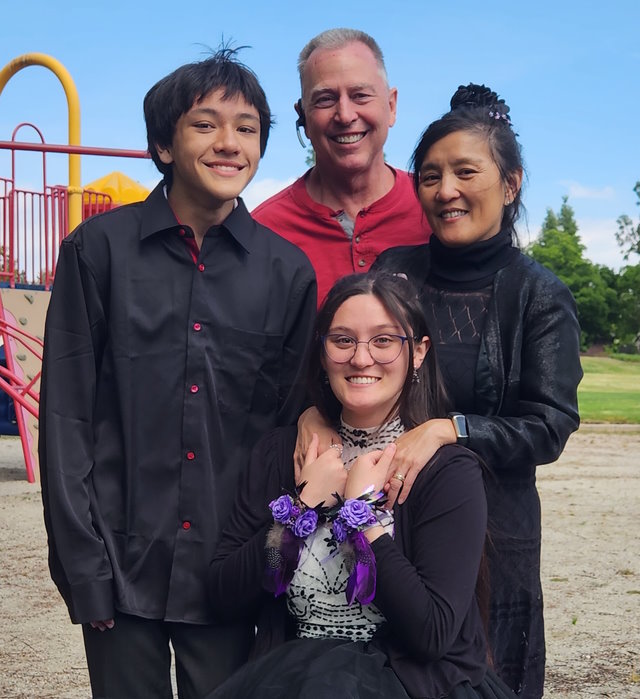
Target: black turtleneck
471	266
456	298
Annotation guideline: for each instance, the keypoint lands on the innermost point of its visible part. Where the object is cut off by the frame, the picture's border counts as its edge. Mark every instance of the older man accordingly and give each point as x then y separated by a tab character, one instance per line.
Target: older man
351	206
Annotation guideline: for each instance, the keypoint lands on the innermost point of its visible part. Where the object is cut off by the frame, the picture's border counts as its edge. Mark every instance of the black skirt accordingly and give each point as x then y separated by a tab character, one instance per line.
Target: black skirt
330	668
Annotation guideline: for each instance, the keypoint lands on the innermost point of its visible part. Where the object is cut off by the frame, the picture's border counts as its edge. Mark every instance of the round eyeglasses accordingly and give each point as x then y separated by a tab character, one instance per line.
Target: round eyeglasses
383	348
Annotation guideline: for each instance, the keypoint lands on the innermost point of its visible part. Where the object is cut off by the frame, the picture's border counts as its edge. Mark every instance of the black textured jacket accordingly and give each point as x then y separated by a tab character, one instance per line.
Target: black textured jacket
528	365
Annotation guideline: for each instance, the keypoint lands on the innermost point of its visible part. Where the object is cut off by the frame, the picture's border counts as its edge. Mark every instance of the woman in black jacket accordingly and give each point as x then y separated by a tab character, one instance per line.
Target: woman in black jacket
367	607
506	334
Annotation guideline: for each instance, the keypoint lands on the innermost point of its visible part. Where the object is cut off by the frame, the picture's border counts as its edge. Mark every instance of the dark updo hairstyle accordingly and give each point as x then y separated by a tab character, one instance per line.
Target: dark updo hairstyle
478	109
418	401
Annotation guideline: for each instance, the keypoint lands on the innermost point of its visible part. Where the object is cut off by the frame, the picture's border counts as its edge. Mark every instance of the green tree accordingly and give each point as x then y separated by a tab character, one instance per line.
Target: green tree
560	249
310	160
628	235
567	219
550	222
627	326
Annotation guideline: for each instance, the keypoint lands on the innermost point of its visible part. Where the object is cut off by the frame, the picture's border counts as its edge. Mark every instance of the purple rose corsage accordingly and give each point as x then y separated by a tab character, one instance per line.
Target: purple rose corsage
293	522
349	521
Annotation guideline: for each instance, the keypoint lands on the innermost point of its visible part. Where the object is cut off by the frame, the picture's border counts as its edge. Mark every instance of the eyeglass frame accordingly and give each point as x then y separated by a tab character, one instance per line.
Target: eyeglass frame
403	339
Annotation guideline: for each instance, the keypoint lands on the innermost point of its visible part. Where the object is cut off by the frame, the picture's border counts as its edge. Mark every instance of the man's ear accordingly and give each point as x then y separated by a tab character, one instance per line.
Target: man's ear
164	153
393	105
301	121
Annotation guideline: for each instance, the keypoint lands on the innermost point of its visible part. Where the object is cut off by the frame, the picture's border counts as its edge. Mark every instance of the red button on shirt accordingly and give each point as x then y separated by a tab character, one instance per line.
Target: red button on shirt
194	389
191	455
197	327
201	267
186	526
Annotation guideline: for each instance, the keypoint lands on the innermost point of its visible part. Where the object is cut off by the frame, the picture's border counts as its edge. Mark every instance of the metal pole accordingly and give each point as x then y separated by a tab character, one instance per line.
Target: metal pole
73	103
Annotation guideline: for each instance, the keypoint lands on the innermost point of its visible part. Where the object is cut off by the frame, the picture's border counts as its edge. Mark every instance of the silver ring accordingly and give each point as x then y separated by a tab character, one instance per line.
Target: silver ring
399	476
339	447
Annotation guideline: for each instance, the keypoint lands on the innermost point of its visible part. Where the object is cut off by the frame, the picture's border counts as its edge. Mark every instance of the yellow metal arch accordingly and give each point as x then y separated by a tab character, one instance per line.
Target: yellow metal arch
63	75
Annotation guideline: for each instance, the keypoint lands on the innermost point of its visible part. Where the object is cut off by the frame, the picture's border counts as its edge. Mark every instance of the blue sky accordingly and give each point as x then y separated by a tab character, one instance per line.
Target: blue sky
570	72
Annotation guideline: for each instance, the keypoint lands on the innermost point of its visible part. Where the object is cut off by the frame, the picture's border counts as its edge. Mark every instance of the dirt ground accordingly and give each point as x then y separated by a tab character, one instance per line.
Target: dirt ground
590	572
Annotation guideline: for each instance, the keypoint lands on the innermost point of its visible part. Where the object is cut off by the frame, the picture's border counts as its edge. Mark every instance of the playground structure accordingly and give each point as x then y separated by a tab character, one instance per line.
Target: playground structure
32	226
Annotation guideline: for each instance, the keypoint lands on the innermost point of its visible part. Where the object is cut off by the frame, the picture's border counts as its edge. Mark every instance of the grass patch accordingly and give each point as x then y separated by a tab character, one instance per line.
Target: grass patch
610	390
626	357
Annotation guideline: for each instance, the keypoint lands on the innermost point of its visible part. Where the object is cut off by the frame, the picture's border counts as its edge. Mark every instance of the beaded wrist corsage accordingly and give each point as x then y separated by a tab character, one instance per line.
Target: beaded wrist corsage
293	522
349	521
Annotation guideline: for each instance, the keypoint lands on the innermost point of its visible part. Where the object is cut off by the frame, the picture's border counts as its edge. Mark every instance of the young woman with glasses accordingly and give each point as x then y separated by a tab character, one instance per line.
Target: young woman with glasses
351	599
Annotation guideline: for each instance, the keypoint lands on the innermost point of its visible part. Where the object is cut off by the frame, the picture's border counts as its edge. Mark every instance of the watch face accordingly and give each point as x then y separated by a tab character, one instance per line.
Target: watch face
460	425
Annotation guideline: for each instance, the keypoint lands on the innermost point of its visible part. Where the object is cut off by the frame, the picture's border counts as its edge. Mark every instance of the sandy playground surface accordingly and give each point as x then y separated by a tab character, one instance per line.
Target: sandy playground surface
590	573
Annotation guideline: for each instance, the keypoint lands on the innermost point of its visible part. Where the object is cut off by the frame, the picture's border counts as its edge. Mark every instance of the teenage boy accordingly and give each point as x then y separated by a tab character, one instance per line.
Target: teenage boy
174	339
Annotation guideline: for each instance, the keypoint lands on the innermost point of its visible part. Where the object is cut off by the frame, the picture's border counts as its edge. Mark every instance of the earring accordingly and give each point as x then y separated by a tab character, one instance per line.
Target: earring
325	378
415	378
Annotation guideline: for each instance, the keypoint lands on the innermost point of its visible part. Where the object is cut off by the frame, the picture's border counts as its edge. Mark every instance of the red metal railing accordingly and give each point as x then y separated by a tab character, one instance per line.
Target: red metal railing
17	385
5	238
33	224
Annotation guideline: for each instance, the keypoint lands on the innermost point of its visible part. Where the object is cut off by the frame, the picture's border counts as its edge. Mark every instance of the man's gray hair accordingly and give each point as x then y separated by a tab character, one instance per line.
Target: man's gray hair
338	39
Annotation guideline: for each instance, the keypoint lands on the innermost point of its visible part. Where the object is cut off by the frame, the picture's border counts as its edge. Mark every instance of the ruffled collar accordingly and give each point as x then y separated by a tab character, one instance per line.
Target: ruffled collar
358	440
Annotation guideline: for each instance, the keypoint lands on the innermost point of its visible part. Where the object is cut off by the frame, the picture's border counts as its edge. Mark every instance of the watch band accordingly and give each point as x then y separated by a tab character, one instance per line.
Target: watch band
459	422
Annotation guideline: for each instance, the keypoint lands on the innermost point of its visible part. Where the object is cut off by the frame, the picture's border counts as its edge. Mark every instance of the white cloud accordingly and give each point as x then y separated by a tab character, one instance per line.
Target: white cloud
580	191
259	190
599	238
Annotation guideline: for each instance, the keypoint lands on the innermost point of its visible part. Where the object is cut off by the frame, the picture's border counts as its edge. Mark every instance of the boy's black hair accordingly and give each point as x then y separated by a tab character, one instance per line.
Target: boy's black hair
176	93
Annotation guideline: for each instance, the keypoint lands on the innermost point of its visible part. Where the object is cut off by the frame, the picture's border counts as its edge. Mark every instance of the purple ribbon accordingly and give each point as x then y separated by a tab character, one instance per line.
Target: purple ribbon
361	584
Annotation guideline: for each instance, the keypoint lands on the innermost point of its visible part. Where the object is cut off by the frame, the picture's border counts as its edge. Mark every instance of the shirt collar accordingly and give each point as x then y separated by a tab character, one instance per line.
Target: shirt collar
241	226
159	217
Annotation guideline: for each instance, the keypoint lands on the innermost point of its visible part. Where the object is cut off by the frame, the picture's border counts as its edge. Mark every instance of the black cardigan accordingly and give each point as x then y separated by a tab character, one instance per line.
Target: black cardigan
426	576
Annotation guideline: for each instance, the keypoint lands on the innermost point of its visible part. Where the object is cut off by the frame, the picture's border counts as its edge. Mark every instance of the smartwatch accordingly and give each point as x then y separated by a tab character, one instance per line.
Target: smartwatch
460	426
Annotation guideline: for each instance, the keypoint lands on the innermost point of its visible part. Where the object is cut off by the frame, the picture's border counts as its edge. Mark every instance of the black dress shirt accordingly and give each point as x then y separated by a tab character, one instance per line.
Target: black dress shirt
159	375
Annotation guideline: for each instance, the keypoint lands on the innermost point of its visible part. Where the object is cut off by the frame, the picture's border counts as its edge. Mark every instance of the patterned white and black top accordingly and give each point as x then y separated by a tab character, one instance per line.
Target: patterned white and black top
316	595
